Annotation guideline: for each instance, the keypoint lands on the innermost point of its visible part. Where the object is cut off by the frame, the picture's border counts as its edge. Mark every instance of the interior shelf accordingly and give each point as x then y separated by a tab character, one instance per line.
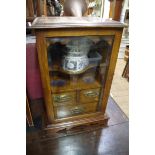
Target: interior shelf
72	86
60	69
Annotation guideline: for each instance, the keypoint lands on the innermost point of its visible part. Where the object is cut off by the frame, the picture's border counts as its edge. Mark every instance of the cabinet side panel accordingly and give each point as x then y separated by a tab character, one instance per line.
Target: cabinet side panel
111	69
42	56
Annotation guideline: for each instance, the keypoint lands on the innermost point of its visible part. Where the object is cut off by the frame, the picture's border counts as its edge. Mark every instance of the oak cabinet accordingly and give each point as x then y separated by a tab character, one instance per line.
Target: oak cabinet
77	58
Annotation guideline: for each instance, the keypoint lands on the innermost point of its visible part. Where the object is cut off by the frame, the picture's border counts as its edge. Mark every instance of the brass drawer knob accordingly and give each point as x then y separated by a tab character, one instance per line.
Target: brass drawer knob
77	110
91	94
62	98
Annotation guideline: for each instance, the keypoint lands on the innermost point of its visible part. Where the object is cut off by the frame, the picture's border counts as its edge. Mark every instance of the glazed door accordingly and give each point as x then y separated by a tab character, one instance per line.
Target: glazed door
77	69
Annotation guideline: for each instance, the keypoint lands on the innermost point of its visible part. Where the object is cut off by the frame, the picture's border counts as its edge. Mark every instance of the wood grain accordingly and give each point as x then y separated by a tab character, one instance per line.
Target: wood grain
112	8
42	56
44	8
38	8
30	8
64	22
28	113
66	98
89	95
111	69
118	9
72	110
73	86
55	122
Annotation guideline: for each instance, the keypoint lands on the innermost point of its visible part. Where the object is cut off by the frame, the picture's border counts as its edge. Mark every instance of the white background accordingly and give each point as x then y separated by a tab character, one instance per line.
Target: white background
13	77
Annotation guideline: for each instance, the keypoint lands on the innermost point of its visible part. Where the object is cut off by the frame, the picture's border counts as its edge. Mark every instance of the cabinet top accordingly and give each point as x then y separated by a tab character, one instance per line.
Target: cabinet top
70	22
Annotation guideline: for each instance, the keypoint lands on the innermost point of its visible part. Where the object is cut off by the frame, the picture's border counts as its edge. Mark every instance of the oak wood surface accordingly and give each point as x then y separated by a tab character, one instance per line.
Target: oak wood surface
63	22
42	57
30	8
72	86
71	110
28	113
125	73
89	95
67	98
112	8
38	7
111	69
117	10
44	8
112	29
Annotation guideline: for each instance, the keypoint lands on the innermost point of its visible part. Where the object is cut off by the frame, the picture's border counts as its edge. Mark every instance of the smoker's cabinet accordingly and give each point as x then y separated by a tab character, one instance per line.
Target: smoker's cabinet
77	58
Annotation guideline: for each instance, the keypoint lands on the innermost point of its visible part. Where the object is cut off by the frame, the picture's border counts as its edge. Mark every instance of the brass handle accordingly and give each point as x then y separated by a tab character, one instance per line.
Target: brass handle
62	98
91	93
77	110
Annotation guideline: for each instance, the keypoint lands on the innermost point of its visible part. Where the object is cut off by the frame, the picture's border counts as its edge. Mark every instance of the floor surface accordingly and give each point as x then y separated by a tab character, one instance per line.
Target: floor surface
120	87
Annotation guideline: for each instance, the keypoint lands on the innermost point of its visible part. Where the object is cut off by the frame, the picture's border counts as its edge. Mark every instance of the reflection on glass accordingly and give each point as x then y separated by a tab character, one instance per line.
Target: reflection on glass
77	69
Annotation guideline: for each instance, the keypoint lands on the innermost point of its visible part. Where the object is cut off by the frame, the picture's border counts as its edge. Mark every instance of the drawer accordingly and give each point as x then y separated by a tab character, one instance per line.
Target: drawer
64	98
89	95
70	110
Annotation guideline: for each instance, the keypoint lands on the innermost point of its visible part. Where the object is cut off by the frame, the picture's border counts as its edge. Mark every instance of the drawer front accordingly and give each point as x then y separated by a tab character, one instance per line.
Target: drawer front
64	98
68	111
89	95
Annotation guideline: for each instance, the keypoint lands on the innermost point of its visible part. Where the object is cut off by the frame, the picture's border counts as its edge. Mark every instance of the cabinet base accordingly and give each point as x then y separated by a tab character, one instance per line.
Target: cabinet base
77	126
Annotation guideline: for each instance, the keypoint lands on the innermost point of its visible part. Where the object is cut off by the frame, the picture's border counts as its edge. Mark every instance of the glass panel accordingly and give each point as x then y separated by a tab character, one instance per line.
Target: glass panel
77	70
